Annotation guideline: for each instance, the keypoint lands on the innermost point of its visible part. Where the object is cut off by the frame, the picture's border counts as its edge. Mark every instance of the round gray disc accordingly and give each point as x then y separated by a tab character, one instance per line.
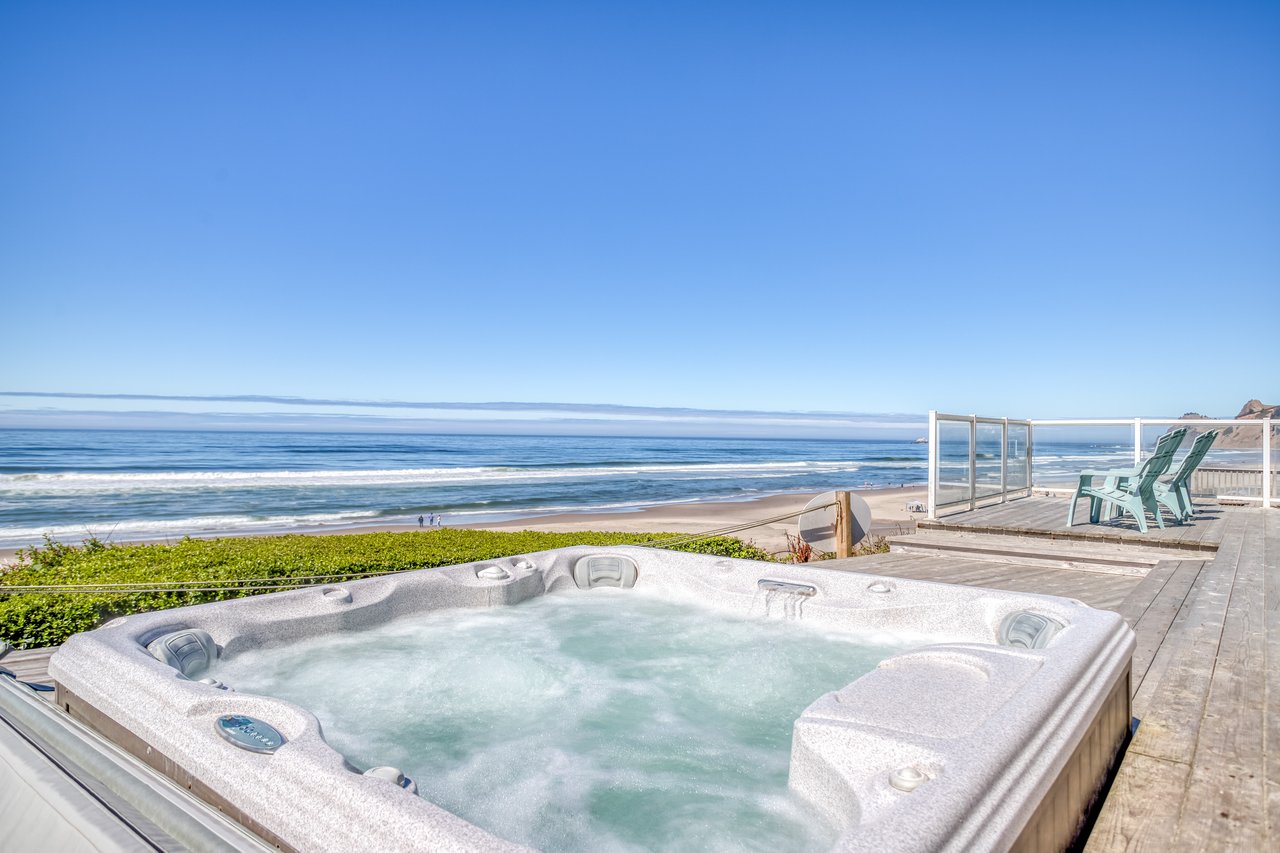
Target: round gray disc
818	526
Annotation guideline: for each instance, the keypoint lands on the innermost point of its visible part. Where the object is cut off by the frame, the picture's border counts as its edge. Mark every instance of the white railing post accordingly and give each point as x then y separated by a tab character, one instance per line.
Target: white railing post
1004	461
1266	462
973	462
1137	442
933	465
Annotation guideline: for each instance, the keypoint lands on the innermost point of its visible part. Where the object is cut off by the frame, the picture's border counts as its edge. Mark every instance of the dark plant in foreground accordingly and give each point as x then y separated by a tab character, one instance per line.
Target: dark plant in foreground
800	550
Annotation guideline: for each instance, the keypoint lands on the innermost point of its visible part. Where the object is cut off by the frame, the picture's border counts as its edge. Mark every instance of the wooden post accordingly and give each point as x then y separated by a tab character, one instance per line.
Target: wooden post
844	526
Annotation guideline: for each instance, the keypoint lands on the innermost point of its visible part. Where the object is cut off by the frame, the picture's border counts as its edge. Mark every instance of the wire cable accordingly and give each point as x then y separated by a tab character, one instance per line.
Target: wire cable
262	584
724	531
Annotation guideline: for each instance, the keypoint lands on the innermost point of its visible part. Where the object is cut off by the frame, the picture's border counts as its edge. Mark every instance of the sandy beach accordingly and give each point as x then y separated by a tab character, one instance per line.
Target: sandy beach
888	509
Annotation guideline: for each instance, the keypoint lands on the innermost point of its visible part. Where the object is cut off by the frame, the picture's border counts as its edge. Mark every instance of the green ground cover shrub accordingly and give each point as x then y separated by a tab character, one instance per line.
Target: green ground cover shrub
29	620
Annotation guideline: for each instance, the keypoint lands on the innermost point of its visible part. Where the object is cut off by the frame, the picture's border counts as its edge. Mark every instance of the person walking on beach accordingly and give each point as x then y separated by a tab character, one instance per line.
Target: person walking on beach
419	521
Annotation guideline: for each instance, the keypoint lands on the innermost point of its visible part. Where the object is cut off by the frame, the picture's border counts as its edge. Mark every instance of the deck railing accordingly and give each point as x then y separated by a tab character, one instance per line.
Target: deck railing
977	460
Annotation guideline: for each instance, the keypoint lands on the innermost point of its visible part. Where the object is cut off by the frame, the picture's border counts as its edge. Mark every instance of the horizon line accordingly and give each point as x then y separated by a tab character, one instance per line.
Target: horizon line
485	406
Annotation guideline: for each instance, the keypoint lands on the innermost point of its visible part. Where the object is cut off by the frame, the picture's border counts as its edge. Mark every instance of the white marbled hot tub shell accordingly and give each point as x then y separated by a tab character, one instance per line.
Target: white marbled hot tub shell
970	745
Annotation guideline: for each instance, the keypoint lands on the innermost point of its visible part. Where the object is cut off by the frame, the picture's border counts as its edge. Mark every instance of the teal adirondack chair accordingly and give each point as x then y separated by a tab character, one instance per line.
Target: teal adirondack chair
1176	494
1129	489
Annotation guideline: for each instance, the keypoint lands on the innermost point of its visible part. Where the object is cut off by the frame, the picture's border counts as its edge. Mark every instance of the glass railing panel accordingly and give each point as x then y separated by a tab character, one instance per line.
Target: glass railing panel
1016	451
987	462
1062	452
1235	467
953	462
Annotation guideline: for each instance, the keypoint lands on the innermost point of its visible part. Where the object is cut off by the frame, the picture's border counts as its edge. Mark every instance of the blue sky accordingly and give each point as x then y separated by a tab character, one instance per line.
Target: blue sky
839	207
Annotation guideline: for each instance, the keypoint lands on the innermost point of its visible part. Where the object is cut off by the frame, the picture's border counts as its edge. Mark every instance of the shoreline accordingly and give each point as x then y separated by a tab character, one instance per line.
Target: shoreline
888	510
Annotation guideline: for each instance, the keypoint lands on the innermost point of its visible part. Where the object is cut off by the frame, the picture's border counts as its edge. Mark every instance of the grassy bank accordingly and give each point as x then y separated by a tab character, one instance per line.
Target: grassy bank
262	564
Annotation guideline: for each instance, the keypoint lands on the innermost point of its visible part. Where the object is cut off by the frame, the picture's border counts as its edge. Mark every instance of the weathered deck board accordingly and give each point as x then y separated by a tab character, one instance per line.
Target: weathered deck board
1143	803
1202	768
1143	596
1173	642
1225	803
1094	589
1160	597
1171	717
29	664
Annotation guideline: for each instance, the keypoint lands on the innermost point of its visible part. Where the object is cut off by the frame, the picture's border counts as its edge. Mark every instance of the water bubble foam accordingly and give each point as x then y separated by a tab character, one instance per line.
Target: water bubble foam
602	720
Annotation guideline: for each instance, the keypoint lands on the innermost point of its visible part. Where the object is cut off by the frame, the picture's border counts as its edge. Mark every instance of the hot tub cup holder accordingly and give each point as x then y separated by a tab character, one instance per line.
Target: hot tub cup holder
907	779
336	595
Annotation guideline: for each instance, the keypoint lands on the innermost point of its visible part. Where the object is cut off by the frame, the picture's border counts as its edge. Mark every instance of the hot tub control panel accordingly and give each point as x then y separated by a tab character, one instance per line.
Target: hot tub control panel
249	733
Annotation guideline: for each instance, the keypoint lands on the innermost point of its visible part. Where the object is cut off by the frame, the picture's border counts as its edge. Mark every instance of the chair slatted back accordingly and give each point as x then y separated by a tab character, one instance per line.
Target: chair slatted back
1194	456
1159	461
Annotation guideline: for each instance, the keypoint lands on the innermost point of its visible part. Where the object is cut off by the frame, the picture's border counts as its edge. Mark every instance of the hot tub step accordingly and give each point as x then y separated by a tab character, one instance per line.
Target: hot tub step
1090	557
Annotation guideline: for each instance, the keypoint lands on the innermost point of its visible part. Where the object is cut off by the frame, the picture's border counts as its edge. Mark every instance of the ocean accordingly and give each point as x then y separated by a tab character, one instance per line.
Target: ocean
155	485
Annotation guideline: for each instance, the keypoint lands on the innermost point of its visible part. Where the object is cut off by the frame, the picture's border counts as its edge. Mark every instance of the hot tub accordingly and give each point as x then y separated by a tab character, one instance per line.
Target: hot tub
990	724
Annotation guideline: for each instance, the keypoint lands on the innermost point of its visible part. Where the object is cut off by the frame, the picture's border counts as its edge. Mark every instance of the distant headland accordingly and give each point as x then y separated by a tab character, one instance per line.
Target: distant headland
1239	436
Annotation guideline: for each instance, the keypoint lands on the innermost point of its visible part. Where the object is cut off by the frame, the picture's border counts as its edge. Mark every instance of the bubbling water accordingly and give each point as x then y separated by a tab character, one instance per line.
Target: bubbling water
582	721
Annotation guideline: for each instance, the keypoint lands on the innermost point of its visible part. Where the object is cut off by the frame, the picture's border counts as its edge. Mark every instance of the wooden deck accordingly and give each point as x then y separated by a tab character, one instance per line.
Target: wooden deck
29	665
1203	771
1107	591
1042	516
